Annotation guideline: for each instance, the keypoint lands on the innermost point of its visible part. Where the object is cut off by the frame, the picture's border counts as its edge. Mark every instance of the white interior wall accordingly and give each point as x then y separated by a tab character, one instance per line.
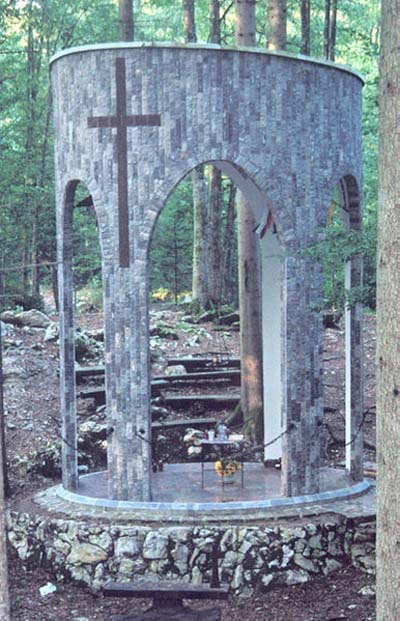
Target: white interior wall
271	258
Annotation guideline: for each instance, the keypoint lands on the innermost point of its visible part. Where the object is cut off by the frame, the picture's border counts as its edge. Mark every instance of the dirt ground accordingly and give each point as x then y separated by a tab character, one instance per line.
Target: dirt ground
32	420
324	599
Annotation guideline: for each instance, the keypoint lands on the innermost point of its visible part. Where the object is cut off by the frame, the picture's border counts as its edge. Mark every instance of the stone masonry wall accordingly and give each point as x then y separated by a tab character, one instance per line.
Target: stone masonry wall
287	129
252	558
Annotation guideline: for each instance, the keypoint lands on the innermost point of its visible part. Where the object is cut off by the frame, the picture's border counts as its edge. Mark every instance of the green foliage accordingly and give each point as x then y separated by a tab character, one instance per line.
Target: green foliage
33	30
337	246
172	243
85	241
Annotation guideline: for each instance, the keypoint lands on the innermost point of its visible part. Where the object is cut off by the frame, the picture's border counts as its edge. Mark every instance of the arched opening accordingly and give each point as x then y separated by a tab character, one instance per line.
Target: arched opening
354	325
344	299
80	290
223	346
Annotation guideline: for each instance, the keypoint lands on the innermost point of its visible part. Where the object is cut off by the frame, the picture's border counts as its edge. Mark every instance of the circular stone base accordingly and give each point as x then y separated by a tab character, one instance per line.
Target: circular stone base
183	493
92	540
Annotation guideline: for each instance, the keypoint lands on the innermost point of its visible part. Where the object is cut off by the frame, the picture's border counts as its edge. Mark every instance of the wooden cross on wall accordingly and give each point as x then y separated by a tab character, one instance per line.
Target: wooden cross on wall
122	121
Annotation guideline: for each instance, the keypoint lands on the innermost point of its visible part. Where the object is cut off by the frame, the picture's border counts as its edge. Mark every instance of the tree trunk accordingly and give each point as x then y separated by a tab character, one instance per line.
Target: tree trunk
32	68
327	28
35	254
199	282
251	393
175	251
189	23
276	25
199	274
228	284
245	22
6	484
215	22
214	238
41	181
388	321
4	594
332	35
54	286
305	27
215	198
126	23
25	274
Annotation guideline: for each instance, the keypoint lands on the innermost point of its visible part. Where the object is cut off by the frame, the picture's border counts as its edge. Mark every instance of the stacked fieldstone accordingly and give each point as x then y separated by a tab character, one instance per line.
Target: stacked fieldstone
251	558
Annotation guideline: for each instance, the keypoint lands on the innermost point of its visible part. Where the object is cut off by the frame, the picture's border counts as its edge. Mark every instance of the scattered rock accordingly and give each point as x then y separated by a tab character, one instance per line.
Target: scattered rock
6	328
368	590
164	331
96	335
296	576
177	369
9	317
32	318
194	451
47	589
52	332
230	318
207	316
158	412
194	341
14	369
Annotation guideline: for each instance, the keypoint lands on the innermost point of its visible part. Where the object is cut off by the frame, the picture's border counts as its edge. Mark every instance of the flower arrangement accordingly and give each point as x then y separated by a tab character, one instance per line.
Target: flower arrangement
227	467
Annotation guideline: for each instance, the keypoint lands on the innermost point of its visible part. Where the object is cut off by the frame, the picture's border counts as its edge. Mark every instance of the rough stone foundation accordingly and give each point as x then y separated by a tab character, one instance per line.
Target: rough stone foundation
252	558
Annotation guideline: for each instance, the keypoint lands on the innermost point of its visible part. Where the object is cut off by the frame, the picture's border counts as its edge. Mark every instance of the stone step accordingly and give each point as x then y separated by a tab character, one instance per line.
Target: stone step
218	402
193	363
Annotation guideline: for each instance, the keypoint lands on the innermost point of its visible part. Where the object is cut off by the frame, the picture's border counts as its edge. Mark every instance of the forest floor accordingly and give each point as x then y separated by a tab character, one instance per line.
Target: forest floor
32	419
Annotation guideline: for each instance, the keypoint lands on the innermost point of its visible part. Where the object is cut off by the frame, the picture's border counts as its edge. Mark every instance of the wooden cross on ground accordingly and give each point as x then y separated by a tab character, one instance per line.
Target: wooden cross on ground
215	555
122	121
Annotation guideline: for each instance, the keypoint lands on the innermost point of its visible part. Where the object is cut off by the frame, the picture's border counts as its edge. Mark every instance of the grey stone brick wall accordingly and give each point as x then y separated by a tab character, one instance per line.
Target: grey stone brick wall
286	129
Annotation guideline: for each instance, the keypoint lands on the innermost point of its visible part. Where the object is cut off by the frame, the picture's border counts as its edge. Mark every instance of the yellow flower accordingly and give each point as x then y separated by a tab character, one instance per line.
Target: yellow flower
226	468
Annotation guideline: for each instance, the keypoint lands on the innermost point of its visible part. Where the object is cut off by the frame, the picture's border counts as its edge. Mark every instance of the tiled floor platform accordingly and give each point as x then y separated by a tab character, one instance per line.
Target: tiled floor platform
179	496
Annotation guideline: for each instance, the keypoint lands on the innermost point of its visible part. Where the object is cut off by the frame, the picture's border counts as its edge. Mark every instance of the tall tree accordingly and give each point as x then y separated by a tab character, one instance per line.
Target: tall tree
276	25
125	18
251	397
229	294
305	26
200	228
388	320
330	29
327	28
4	595
332	34
6	484
215	199
189	22
215	22
214	238
200	271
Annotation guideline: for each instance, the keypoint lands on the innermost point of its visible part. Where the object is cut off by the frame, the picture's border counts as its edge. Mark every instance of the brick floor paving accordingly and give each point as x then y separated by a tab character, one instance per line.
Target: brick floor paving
178	496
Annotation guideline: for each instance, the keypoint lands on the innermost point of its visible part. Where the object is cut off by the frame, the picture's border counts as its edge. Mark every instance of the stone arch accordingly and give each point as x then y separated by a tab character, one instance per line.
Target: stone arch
349	199
243	179
67	339
290	123
273	285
